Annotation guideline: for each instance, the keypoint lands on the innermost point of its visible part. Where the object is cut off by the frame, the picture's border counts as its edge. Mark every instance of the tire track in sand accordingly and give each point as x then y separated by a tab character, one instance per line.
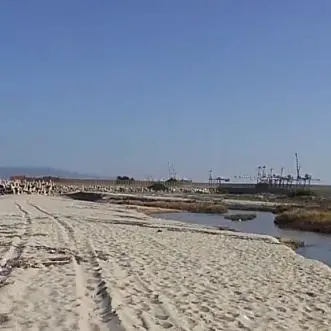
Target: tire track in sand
151	305
93	297
11	258
162	313
82	302
102	297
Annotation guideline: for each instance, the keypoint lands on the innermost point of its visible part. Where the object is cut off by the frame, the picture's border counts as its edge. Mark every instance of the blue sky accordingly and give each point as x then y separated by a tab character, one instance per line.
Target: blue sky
124	87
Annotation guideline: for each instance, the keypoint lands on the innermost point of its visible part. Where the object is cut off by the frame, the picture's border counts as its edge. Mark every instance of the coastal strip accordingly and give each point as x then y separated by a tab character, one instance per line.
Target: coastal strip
104	266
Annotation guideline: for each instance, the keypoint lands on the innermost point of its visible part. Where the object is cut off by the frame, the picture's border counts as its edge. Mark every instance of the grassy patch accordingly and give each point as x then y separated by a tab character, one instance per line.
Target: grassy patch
300	193
240	217
189	206
192	206
305	220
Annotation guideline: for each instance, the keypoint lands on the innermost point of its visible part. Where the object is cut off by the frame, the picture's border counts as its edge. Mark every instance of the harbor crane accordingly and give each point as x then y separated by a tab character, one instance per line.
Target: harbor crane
218	179
171	171
305	180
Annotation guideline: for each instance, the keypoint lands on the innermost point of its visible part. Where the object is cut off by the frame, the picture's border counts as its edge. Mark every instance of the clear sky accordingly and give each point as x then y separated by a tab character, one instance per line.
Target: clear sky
122	87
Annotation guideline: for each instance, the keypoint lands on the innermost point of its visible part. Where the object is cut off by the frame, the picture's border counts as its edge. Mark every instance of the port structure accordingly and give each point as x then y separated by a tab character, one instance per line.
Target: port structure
216	180
288	181
269	178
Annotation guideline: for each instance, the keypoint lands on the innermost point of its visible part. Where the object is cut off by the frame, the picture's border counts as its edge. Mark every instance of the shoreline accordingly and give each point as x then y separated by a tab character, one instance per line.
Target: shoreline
294	244
150	211
166	204
242	205
191	204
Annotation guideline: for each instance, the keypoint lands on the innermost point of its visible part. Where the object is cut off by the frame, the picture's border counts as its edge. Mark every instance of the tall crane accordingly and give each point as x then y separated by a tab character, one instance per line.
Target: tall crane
171	171
303	180
298	168
218	179
259	174
210	177
174	173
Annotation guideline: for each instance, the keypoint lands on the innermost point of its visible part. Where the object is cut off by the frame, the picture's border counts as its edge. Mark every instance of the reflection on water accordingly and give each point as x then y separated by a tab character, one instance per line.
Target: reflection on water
317	246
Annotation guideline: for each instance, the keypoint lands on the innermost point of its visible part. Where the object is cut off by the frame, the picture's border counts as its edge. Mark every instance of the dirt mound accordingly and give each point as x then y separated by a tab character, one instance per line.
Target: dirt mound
85	196
158	187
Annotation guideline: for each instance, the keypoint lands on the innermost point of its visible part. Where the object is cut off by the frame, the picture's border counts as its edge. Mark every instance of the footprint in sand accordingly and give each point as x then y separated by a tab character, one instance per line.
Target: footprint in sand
205	309
167	325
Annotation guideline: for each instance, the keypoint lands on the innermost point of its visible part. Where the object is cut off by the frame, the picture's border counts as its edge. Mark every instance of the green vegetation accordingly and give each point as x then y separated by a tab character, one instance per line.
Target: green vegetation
172	181
189	206
222	190
305	220
240	217
120	179
301	192
157	187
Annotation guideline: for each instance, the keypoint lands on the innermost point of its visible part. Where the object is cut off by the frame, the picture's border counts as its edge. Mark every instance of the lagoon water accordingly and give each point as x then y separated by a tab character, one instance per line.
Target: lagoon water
317	246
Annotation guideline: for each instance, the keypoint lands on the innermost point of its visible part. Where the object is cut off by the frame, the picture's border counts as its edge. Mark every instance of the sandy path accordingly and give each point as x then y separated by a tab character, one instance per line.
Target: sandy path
73	265
60	286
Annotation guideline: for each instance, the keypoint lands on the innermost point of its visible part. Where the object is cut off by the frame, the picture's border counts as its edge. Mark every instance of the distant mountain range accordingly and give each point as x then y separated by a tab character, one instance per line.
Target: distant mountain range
7	172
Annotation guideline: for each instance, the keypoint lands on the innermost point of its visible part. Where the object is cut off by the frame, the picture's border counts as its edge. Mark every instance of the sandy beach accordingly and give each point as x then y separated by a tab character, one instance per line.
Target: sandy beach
74	265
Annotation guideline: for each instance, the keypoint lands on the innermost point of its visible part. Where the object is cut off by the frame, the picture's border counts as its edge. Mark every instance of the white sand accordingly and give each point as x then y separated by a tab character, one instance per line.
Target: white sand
83	261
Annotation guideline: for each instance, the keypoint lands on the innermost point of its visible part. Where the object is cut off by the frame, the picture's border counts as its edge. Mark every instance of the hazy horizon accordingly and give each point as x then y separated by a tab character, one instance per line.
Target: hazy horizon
122	88
35	171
